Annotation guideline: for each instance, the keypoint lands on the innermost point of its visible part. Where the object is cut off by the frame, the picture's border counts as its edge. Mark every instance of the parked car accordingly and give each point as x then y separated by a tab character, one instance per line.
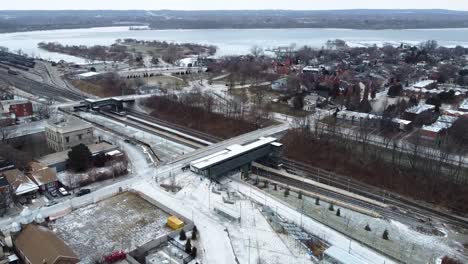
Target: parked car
63	192
50	203
53	192
83	192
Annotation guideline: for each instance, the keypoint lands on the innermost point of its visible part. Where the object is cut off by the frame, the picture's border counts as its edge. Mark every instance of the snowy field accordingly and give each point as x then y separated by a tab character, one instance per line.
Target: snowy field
125	222
405	243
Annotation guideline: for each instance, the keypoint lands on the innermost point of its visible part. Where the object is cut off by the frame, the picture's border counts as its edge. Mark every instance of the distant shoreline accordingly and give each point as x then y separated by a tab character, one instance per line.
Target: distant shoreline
229	28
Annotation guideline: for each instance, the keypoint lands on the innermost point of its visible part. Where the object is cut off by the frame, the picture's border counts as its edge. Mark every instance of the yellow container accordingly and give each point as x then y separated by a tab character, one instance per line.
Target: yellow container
174	223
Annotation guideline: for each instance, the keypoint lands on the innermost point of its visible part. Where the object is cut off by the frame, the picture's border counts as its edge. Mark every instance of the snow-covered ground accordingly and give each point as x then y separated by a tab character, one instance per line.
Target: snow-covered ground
122	222
405	243
164	148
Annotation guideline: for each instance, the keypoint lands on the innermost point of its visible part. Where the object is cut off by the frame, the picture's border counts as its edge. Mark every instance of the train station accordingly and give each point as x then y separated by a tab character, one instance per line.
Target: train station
238	157
116	104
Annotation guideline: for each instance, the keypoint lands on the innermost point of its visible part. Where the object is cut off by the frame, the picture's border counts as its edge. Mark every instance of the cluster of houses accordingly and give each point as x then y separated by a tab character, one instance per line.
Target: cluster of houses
40	177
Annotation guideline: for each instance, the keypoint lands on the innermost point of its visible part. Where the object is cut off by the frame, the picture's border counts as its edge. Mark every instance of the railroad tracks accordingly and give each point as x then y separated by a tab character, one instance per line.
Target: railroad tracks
398	206
186	130
39	89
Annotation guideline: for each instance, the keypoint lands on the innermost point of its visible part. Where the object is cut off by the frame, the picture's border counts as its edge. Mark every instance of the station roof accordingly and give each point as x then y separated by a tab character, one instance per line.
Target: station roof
230	152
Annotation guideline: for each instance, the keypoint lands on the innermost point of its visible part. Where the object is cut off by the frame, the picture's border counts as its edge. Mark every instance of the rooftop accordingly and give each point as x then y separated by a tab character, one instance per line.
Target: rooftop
20	183
40	245
418	109
464	105
68	124
230	152
41	174
423	84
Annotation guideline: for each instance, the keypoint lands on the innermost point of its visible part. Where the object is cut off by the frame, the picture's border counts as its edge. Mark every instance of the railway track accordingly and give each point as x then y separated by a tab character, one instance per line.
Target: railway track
400	205
39	89
186	130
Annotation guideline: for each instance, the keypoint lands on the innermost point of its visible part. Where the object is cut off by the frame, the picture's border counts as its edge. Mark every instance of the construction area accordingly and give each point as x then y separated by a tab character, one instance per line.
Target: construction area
123	222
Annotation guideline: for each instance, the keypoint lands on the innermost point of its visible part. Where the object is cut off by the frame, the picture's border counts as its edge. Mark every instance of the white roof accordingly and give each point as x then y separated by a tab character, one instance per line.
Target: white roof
230	152
417	109
464	105
114	153
345	114
443	122
88	74
401	121
423	84
26	187
343	256
310	68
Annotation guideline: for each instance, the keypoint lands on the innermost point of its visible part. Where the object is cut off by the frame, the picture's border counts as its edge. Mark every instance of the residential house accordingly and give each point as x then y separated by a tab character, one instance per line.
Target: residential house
23	188
440	127
464	106
415	111
44	177
65	133
39	245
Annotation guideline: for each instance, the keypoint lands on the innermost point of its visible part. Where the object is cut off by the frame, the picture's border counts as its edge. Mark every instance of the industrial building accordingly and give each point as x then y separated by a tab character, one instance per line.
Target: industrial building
64	133
237	157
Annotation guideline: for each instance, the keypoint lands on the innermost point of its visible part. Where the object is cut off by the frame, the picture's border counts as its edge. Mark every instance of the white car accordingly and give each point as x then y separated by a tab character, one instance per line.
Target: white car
63	191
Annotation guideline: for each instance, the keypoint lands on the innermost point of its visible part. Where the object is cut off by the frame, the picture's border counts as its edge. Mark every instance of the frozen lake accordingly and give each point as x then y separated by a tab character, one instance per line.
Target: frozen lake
229	41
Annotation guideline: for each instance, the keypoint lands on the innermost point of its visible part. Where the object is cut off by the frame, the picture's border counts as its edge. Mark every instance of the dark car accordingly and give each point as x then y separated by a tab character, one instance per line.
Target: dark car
83	192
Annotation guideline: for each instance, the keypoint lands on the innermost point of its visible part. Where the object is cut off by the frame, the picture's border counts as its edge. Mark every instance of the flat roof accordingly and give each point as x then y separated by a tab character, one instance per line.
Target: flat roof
423	84
230	152
68	124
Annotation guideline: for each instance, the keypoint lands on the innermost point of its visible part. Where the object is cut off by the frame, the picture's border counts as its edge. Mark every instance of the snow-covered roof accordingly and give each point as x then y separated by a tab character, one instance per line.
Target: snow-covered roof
41	174
230	152
19	182
350	115
443	122
423	84
88	74
68	124
454	112
342	256
401	121
418	109
311	69
114	153
464	106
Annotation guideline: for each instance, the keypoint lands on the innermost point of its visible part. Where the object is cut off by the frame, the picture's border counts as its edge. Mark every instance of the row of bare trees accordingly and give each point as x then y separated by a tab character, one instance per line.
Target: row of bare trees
434	173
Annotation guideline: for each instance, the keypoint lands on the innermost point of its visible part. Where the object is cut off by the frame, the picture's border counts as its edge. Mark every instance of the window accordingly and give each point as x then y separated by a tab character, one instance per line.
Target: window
80	136
67	139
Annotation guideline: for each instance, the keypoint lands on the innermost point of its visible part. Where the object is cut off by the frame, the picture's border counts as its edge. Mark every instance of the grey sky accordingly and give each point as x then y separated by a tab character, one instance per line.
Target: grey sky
234	4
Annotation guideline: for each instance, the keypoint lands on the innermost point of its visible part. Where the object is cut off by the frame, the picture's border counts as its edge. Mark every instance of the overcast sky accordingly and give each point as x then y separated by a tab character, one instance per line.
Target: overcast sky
234	4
